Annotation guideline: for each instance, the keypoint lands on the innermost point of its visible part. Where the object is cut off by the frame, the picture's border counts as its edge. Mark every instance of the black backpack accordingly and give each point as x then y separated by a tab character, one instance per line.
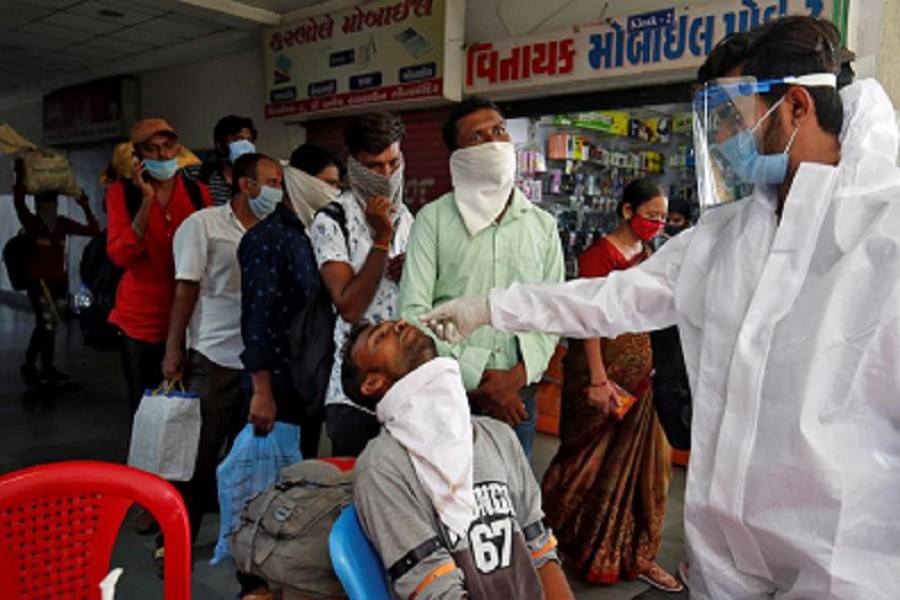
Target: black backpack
101	276
312	337
17	257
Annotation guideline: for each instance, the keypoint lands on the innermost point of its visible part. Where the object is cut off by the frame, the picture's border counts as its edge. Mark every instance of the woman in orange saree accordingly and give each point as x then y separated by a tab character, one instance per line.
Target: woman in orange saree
605	492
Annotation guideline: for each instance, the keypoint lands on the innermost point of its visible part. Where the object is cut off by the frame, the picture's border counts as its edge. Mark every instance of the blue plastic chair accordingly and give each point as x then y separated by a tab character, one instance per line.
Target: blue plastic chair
355	561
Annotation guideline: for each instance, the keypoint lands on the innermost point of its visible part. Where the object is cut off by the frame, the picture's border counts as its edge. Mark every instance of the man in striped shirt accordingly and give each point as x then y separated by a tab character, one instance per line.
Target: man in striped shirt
233	136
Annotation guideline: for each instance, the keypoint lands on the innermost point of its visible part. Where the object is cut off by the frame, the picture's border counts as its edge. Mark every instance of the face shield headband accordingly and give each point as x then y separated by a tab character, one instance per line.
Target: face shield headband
726	118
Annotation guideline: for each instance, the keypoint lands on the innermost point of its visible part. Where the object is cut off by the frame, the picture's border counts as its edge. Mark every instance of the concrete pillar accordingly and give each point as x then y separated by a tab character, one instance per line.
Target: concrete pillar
887	64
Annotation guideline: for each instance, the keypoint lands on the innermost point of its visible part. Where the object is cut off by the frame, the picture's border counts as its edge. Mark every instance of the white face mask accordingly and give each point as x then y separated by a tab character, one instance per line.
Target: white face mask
483	178
307	193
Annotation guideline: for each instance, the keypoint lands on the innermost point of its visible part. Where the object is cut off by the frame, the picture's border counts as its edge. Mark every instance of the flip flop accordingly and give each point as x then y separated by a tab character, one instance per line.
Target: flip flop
654	582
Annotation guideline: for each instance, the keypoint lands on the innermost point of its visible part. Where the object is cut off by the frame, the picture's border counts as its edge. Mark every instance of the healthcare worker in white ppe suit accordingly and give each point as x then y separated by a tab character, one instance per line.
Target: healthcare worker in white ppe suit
788	304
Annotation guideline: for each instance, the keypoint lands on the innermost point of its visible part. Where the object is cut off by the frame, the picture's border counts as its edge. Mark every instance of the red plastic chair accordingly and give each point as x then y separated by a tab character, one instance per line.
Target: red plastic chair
59	523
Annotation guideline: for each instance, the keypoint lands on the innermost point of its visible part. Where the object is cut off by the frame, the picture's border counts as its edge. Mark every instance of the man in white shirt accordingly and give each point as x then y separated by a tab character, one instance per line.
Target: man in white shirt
361	259
204	344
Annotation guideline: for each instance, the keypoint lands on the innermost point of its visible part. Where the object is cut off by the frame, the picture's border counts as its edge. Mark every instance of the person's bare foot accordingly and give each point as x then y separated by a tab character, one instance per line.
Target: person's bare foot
657	577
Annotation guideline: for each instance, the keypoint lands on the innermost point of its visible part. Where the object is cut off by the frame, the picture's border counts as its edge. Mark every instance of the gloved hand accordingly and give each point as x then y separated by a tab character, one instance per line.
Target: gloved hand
454	321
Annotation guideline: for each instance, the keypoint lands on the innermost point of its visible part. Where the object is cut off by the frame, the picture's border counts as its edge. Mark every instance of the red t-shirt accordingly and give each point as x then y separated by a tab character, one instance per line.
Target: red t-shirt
144	295
48	252
602	258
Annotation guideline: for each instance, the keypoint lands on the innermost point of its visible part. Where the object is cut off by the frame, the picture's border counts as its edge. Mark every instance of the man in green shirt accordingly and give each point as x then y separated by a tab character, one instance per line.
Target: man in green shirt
482	235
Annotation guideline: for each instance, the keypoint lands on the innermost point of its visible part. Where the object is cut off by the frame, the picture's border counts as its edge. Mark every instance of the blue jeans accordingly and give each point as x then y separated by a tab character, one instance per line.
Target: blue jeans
527	429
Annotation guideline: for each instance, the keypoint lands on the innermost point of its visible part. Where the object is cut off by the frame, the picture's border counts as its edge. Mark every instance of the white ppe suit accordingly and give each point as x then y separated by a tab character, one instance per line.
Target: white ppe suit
791	336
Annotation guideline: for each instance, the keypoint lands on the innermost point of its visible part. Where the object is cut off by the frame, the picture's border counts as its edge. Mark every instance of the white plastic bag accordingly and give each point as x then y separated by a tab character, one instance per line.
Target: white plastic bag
166	433
253	464
108	585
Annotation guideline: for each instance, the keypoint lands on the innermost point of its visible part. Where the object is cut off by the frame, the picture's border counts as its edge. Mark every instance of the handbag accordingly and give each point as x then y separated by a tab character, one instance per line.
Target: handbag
165	433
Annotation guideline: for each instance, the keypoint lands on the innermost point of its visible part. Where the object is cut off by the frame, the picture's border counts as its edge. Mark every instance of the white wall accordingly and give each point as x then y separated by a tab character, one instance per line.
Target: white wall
193	97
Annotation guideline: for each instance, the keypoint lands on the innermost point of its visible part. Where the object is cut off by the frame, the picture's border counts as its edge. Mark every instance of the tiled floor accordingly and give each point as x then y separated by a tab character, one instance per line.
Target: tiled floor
89	420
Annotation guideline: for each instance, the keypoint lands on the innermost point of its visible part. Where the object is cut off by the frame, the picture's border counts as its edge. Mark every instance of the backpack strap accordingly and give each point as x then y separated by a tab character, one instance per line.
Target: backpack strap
206	171
193	190
134	198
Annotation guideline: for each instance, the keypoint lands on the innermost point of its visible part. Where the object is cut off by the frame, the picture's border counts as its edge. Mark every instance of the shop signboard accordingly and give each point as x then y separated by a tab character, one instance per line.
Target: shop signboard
397	52
666	44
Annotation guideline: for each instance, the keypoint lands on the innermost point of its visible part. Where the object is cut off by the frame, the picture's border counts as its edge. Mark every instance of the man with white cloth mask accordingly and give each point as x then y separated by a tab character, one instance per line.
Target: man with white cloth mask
788	304
448	500
312	180
483	234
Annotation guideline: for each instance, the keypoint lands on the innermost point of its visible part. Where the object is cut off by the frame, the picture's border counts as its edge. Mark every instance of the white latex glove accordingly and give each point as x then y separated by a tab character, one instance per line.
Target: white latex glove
456	320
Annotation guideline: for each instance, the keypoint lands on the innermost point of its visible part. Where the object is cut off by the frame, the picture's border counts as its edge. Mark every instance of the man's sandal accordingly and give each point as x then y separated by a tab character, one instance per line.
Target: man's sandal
159	560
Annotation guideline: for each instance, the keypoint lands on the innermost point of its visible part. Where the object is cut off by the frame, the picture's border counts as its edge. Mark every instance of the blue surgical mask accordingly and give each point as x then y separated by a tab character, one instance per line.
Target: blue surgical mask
240	148
268	198
742	153
161	170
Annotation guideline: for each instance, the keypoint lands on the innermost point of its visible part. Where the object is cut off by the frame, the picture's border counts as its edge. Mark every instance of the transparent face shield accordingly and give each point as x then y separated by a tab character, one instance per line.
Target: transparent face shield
728	116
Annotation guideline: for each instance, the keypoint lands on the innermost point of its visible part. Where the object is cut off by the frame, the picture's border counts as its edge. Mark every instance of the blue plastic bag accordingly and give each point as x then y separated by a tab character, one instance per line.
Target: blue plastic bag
254	463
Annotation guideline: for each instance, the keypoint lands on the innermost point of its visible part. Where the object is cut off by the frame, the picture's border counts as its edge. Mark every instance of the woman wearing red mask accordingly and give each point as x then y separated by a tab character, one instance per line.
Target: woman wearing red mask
605	491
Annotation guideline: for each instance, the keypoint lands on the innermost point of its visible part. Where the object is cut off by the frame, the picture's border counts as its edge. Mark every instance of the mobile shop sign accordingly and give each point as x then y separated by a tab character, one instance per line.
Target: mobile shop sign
672	39
383	51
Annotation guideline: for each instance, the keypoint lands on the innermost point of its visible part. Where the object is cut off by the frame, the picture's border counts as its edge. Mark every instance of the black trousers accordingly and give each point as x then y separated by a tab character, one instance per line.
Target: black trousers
350	429
142	365
219	389
43	336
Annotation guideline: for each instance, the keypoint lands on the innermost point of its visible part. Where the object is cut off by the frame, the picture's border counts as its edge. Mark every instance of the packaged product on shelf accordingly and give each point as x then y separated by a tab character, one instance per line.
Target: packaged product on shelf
682	122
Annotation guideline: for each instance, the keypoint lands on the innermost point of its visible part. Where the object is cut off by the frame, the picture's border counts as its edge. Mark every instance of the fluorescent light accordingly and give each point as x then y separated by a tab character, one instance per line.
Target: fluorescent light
238	9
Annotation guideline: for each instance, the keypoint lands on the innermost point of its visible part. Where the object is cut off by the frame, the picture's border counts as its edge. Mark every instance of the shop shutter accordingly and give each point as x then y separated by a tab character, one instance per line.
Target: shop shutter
427	159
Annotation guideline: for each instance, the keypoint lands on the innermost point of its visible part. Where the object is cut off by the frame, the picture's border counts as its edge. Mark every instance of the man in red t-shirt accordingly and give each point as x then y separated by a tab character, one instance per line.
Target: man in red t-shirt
48	281
143	215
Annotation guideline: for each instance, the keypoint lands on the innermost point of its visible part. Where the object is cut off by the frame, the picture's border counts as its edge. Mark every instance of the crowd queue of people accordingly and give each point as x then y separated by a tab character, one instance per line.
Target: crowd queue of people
785	302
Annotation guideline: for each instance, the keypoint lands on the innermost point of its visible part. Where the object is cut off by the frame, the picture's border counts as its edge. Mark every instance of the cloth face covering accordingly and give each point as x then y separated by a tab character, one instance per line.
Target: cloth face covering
673	230
161	170
239	148
307	193
644	228
427	412
263	204
366	183
483	178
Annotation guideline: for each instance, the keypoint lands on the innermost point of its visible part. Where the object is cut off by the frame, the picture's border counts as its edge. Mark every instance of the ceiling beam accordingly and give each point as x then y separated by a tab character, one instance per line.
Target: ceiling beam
238	9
